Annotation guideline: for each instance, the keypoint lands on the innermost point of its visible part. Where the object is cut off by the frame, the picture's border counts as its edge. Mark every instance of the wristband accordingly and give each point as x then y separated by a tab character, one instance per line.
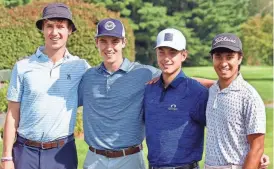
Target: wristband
3	159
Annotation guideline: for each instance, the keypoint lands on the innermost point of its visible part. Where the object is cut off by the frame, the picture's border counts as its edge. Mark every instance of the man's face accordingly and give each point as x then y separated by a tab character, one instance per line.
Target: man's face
169	59
110	48
226	64
56	33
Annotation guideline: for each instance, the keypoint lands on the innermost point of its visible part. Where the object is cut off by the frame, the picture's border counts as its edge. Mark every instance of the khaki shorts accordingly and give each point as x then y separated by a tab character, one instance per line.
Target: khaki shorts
223	167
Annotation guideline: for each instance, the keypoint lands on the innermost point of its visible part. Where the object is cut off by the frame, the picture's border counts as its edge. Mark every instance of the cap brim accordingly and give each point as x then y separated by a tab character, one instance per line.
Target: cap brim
108	34
168	44
235	49
39	23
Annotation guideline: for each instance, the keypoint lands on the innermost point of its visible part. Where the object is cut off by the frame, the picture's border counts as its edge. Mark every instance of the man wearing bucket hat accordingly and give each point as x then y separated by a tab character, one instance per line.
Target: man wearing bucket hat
174	109
236	121
43	99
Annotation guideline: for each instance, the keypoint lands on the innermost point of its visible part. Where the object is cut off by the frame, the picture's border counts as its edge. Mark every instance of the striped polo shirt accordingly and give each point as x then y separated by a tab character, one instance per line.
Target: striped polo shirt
112	105
232	114
47	93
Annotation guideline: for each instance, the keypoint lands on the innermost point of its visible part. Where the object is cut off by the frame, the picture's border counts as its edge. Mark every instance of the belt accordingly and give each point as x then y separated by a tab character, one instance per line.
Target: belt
45	145
118	153
186	166
223	167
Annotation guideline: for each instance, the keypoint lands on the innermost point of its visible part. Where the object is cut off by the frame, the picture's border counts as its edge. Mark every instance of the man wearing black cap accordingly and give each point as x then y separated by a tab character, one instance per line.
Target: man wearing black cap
235	114
43	100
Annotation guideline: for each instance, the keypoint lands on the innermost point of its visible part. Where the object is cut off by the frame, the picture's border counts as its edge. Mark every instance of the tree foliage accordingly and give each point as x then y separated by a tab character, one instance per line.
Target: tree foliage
19	37
257	36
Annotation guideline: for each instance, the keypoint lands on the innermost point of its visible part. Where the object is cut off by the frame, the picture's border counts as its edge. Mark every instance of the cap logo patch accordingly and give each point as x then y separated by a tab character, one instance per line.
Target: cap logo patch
109	25
223	38
168	37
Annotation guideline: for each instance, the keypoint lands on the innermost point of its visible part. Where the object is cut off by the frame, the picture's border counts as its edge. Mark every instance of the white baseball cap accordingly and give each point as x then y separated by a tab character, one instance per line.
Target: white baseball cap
172	38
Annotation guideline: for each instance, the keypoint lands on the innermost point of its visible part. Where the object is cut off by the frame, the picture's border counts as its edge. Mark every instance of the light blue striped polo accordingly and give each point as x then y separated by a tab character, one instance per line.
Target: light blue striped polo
112	105
47	93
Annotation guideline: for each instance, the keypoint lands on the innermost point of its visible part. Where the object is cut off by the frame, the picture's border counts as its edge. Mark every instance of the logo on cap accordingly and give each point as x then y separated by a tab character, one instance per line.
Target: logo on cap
109	25
168	37
223	38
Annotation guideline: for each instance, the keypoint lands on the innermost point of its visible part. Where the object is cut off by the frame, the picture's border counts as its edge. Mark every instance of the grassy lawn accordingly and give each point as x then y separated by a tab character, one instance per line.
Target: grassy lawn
259	77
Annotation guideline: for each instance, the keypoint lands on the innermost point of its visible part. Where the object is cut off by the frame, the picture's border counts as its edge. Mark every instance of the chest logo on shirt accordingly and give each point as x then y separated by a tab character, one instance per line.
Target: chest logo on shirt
172	107
68	77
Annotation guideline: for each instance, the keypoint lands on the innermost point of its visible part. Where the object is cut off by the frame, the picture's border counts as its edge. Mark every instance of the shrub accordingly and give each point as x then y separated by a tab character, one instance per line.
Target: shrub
3	100
19	37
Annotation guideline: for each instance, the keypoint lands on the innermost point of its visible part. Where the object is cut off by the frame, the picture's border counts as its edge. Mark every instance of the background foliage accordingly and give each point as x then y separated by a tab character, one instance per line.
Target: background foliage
200	21
19	37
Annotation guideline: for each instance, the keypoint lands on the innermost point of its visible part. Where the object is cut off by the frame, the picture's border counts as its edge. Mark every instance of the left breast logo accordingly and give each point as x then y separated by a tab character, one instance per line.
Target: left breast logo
68	77
172	107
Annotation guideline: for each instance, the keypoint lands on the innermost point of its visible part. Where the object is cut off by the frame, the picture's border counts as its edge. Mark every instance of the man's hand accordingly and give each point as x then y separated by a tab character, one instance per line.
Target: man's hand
264	162
7	165
154	80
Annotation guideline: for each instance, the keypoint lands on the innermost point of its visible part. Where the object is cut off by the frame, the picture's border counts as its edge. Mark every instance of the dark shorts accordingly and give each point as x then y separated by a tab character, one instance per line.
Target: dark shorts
27	157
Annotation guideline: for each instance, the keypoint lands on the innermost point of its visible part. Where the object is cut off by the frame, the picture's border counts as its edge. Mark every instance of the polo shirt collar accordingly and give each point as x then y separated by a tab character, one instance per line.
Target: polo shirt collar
125	66
234	86
178	79
39	53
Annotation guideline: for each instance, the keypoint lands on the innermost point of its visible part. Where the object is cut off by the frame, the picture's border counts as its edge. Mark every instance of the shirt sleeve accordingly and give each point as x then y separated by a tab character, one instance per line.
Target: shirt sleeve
16	86
255	118
199	114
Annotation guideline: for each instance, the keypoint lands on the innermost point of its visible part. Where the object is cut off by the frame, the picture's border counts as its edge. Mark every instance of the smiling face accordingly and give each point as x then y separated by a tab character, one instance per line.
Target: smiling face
170	60
226	64
56	33
111	48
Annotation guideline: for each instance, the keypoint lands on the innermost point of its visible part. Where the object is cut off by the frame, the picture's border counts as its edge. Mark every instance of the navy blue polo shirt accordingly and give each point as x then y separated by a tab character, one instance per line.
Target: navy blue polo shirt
175	121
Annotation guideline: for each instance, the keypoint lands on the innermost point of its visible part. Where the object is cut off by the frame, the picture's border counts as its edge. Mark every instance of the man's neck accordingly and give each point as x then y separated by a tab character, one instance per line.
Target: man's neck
224	83
114	66
55	55
168	78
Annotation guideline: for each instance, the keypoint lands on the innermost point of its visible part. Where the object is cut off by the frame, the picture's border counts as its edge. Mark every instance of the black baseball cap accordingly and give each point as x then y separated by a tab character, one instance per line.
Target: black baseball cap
56	10
226	40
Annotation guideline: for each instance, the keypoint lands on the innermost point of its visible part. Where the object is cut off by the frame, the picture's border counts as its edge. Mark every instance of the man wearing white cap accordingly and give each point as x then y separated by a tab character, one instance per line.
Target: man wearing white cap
174	109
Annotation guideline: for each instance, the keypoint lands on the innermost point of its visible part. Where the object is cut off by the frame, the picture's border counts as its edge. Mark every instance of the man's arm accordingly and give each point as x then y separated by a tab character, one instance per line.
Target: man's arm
252	160
205	82
10	128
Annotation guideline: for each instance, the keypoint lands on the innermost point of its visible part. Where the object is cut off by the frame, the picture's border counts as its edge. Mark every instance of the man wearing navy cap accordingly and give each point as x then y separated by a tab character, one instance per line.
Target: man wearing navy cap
235	112
43	99
112	103
174	109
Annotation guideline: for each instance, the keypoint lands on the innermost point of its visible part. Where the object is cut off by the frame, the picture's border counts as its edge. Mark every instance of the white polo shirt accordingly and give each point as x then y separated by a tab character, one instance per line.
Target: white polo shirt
232	114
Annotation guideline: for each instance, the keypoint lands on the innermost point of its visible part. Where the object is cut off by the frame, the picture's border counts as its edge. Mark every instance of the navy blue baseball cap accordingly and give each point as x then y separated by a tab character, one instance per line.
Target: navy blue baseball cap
56	10
110	27
226	40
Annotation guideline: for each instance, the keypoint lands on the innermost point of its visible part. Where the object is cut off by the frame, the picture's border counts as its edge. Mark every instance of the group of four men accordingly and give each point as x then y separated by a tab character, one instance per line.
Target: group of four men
120	109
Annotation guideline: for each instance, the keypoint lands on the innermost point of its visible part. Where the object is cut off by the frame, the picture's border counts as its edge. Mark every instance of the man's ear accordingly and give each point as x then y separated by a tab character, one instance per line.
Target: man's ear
184	54
96	42
240	59
124	42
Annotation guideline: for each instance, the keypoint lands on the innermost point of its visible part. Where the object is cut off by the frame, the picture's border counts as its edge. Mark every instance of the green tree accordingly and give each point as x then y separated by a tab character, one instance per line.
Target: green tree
257	36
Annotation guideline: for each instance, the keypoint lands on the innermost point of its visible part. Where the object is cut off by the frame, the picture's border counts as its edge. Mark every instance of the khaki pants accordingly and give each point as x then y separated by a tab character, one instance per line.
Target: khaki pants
223	167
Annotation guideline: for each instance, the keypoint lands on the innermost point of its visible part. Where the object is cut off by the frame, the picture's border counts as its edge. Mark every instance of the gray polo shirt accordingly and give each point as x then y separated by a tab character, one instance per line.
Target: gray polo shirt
112	105
232	114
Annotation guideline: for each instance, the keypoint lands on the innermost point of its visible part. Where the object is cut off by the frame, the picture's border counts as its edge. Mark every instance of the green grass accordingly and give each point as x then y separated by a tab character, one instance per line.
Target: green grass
261	78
